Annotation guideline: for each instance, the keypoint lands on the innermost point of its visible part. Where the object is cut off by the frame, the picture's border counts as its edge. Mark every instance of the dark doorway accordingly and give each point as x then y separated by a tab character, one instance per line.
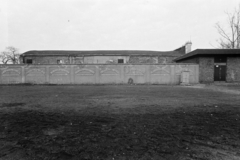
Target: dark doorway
219	72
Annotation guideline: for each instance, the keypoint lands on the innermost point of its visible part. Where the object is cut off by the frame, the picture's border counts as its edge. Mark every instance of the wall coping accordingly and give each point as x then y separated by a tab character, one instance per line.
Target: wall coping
96	64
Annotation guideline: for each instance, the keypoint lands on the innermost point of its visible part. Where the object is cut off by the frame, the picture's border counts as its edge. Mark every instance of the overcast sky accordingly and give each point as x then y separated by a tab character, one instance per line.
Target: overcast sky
111	24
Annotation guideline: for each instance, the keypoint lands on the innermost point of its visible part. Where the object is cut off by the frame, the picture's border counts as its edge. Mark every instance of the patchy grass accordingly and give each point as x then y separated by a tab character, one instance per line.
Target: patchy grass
231	87
118	122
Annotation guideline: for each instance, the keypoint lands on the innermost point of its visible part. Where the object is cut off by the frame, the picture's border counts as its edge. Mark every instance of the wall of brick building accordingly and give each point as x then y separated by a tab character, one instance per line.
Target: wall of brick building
233	69
151	59
190	60
143	59
165	59
77	60
48	59
53	59
102	59
206	69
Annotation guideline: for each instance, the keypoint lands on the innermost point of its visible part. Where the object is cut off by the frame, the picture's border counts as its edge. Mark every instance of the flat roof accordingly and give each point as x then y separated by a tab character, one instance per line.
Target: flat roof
100	53
209	52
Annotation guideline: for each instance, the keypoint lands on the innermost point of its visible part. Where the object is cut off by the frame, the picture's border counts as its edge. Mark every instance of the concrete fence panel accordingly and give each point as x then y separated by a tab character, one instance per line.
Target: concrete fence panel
160	74
11	74
136	73
84	74
59	74
98	74
109	74
34	74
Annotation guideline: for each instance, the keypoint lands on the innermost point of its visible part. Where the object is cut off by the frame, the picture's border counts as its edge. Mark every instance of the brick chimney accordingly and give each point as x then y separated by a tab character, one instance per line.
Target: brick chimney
188	47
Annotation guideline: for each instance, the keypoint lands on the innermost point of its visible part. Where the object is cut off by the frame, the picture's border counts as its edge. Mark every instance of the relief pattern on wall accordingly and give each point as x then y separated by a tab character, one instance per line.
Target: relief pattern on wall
180	68
7	71
132	70
61	70
84	72
109	71
60	75
10	75
65	74
160	70
35	74
34	71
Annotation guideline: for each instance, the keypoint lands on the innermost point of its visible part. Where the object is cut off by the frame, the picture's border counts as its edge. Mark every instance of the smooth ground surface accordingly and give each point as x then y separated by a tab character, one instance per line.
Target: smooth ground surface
119	122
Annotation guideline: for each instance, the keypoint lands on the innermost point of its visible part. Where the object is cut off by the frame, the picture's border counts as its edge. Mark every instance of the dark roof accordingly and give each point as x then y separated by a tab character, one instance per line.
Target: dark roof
209	52
100	53
181	49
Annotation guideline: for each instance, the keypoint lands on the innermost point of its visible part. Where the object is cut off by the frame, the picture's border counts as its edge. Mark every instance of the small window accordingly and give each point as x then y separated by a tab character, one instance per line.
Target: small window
59	61
29	61
120	61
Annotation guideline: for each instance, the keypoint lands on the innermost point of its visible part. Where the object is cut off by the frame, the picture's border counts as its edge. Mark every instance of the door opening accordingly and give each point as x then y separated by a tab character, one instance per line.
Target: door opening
219	72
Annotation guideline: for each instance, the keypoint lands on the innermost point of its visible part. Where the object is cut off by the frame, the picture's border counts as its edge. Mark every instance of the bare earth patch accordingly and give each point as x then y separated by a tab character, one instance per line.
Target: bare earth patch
118	122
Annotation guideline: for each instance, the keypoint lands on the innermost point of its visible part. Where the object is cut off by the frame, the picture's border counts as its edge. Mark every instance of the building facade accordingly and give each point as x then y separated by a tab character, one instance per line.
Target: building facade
98	57
103	56
215	64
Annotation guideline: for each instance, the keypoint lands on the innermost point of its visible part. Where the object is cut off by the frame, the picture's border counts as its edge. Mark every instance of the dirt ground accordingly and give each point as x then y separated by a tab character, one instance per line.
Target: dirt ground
118	122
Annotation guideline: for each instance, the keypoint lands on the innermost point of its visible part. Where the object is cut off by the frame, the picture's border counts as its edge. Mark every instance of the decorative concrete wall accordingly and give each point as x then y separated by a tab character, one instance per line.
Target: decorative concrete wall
97	74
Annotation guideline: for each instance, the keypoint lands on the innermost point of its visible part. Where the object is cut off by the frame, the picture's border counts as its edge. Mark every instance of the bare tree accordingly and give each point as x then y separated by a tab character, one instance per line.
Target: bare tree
11	55
230	37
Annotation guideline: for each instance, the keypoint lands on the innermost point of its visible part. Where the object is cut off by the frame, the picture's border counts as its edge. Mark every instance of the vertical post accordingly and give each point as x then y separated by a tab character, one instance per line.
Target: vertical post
47	74
72	74
196	73
148	73
122	73
172	74
23	74
97	74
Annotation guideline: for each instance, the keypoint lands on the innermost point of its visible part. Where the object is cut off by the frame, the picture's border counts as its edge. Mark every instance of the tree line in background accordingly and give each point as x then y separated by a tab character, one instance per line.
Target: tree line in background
10	55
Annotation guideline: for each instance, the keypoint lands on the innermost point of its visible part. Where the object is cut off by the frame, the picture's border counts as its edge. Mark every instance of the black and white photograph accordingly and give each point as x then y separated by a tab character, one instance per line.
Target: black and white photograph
119	80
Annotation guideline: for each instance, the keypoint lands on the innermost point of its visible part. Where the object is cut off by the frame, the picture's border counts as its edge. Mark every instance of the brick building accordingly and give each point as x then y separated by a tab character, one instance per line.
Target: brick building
103	56
215	64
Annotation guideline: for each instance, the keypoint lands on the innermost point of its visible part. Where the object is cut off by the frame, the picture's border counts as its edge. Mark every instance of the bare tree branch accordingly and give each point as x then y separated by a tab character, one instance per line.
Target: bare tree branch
230	38
10	55
222	32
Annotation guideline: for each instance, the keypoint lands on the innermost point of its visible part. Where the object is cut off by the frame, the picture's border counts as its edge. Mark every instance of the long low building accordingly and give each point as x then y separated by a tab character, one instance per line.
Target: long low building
103	56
